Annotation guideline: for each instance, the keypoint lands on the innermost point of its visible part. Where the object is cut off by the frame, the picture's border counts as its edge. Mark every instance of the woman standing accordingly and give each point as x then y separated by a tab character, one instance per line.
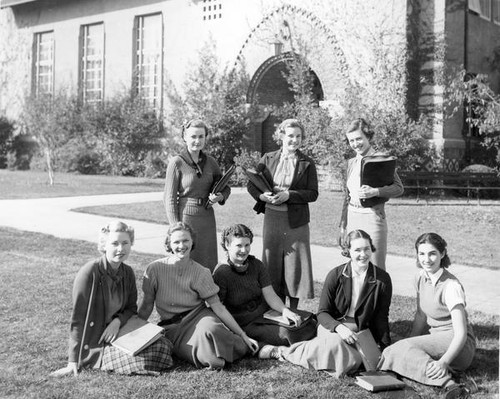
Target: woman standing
356	296
180	288
354	215
189	179
104	298
286	248
431	356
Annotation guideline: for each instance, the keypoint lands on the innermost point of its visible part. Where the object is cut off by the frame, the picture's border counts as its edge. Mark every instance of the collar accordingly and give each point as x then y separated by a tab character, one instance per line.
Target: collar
433	278
369	153
371	271
198	167
288	155
239	269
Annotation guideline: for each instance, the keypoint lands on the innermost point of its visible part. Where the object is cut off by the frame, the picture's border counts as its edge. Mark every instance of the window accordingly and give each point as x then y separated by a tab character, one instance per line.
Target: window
482	7
92	63
43	63
212	9
496	11
148	59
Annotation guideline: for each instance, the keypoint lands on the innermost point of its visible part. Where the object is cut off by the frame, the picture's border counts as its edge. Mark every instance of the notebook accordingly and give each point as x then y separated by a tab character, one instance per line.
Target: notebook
368	348
136	335
376	171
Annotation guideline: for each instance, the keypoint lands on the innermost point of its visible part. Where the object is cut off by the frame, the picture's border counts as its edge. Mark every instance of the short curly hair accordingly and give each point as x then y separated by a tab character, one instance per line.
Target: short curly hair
363	125
195	123
436	241
285	124
115	226
354	234
179	226
235	231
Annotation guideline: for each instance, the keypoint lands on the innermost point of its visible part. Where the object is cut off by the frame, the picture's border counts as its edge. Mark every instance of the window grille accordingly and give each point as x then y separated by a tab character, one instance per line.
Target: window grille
43	63
92	63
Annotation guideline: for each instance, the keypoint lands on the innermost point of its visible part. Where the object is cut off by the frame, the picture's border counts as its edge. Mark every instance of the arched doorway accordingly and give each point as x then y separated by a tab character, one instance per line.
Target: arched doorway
270	87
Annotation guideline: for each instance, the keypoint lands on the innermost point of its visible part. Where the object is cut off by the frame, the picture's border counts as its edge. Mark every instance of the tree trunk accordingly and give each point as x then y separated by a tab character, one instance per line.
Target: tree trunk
50	169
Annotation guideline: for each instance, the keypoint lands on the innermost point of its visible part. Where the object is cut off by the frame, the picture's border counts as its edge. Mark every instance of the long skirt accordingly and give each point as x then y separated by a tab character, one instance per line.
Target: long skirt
374	223
203	340
327	351
287	256
203	224
410	357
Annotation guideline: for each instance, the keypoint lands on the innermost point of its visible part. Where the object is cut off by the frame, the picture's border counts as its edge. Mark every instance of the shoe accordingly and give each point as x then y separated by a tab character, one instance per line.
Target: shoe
270	352
456	391
470	385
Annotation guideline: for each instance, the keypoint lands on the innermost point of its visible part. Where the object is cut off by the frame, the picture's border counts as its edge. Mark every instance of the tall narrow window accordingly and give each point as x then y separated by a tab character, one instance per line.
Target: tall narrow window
92	63
148	59
485	9
496	11
43	63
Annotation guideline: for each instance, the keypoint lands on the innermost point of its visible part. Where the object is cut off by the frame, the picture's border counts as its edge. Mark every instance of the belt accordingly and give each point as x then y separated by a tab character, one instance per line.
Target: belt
193	201
174	320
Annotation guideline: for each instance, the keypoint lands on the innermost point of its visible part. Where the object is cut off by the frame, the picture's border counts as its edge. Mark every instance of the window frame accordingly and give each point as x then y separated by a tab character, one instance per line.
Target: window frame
39	63
85	58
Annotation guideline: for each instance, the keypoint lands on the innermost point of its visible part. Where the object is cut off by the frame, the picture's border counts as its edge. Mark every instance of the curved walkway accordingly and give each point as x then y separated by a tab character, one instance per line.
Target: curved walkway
54	216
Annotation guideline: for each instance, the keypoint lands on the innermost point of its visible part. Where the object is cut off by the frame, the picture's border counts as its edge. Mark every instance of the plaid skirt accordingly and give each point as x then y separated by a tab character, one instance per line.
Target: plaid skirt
151	360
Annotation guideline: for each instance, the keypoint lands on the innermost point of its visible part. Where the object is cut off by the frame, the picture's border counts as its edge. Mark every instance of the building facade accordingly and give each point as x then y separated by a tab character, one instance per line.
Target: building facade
100	48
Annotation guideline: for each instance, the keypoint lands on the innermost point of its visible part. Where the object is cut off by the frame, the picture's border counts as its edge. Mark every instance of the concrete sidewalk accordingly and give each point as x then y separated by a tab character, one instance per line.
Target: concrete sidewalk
54	216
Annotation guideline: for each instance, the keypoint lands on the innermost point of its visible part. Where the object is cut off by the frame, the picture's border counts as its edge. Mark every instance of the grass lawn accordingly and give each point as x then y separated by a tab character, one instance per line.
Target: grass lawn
29	184
470	230
35	303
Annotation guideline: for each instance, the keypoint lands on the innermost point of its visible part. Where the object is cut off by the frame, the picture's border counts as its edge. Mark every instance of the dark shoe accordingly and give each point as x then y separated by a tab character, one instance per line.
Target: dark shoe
470	385
456	391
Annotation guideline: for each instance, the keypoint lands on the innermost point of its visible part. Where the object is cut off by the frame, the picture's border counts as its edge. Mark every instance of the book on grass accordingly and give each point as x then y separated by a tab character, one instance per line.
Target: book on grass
136	335
368	348
258	180
277	316
220	184
378	381
376	171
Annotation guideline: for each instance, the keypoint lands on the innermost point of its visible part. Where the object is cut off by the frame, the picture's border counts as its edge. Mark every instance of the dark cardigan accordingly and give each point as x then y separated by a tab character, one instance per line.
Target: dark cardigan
304	187
372	310
88	320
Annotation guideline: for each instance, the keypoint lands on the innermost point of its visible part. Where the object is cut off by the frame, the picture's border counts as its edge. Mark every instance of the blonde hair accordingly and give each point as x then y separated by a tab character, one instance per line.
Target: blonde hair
115	226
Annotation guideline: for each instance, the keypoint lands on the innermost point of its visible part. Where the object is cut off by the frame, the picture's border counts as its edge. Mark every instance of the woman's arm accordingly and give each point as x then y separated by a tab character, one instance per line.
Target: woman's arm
149	290
275	302
395	189
439	368
226	317
172	181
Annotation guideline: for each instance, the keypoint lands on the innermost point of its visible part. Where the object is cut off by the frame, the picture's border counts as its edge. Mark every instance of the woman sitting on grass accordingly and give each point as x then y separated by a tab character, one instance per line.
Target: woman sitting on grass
355	296
181	288
104	298
246	289
432	355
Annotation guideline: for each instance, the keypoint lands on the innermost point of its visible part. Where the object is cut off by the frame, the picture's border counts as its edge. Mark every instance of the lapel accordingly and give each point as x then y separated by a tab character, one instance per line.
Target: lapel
368	286
347	284
273	161
300	168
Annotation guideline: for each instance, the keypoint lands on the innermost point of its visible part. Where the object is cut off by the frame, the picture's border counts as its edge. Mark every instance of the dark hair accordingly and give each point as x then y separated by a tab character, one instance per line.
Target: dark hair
436	241
195	123
115	226
179	226
235	231
361	124
354	234
288	123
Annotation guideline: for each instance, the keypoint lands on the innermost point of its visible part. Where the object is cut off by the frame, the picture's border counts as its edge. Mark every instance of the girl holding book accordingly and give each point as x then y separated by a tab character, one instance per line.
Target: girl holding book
293	178
246	289
356	296
354	215
104	298
181	288
432	355
188	182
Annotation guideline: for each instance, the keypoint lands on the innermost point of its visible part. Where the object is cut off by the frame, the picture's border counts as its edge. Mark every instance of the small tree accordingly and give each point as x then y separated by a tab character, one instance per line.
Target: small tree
6	131
482	107
49	119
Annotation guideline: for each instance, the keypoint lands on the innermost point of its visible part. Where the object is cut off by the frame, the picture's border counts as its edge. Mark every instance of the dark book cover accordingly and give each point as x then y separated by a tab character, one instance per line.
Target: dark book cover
368	348
376	171
220	184
258	180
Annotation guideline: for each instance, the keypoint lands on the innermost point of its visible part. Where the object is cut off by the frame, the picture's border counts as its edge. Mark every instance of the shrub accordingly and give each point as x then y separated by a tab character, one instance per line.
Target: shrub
245	159
6	132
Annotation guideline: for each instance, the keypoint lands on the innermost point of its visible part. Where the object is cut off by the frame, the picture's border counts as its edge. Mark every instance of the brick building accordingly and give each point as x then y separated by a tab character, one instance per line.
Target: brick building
98	48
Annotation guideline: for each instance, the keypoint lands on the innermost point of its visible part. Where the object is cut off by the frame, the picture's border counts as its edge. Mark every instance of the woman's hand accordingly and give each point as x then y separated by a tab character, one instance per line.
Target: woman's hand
71	368
367	192
294	317
111	331
280	197
214	198
437	369
266	197
346	334
251	343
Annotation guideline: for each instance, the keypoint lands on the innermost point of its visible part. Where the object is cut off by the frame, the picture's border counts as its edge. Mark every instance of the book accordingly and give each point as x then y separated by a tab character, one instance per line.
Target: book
276	316
368	348
258	180
220	184
376	171
136	335
378	381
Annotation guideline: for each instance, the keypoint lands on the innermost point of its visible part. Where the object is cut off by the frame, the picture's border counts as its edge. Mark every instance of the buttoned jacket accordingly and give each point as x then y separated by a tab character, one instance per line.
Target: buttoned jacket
303	189
88	319
372	309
